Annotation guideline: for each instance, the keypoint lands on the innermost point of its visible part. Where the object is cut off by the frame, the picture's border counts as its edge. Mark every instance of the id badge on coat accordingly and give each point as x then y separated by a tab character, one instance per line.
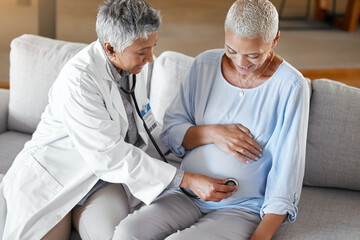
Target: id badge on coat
148	117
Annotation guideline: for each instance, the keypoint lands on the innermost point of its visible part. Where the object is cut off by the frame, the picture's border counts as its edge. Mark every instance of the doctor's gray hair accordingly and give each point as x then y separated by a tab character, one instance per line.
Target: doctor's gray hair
252	19
121	22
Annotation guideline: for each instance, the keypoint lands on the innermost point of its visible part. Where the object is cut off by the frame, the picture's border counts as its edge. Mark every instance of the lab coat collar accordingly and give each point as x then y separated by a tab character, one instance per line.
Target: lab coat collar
105	74
115	94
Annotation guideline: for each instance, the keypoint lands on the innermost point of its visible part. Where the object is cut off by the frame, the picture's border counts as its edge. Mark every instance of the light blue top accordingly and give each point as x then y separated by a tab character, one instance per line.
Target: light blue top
276	113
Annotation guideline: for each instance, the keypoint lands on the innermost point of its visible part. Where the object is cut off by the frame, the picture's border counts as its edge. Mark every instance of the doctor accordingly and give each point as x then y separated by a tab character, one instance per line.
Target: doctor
90	140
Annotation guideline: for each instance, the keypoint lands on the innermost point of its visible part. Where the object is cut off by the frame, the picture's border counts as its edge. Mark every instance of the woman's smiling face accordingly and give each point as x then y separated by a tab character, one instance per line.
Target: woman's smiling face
247	55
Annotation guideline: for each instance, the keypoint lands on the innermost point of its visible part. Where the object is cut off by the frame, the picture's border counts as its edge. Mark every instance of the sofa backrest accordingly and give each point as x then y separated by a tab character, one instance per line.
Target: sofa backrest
333	144
170	69
35	63
4	103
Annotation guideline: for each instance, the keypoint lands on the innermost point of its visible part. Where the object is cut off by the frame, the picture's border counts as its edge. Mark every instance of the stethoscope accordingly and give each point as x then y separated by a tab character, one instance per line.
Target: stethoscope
132	94
131	91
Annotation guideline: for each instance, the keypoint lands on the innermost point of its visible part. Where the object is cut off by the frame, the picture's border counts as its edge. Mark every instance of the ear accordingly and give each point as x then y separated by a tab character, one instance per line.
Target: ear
276	40
108	47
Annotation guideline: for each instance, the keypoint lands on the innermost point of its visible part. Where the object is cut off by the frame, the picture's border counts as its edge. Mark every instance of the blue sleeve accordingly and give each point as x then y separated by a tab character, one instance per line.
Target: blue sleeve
179	117
284	181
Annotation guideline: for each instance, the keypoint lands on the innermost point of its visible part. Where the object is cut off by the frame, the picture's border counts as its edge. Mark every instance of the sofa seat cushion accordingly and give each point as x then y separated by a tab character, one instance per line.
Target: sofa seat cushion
332	153
11	143
325	214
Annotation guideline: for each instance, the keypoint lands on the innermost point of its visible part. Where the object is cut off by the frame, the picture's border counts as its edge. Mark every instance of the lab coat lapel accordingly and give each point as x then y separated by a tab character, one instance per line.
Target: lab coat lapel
104	73
140	95
119	106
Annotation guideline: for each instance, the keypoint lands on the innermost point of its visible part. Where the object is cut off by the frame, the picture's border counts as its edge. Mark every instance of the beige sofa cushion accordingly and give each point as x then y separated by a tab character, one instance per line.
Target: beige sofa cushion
170	69
35	63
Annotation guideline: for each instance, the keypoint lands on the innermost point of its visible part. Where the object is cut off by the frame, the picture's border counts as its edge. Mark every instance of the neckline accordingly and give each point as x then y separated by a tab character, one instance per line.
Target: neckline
249	89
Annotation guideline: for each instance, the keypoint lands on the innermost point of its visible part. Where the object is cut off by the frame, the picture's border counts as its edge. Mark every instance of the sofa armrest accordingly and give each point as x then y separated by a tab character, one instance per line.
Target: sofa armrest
4	105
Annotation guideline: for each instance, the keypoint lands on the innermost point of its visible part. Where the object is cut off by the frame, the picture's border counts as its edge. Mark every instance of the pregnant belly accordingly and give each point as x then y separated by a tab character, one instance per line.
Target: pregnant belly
211	161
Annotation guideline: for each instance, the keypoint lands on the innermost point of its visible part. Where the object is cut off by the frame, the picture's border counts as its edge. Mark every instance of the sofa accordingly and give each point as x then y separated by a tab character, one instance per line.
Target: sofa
329	207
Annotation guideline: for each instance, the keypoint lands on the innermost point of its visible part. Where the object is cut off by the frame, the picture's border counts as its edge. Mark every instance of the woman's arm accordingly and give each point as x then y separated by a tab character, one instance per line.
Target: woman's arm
285	177
234	139
268	226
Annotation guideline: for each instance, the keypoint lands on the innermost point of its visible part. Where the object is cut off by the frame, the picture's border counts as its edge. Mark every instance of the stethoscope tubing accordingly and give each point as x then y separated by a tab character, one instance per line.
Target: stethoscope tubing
132	94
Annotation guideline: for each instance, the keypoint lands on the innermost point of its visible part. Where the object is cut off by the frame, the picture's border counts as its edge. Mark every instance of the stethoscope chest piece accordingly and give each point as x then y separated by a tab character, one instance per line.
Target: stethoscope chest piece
231	182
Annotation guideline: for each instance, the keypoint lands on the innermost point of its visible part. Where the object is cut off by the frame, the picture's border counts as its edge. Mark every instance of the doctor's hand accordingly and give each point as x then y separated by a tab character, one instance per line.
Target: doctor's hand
236	140
207	188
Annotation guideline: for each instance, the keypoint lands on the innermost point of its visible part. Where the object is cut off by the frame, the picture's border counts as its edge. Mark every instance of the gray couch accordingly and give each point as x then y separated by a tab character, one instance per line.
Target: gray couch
330	203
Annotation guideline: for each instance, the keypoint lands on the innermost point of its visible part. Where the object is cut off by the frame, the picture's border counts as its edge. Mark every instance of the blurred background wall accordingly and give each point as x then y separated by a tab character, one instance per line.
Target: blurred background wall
189	27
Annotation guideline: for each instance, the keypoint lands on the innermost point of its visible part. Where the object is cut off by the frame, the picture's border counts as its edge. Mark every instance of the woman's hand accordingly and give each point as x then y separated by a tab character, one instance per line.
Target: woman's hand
207	188
236	140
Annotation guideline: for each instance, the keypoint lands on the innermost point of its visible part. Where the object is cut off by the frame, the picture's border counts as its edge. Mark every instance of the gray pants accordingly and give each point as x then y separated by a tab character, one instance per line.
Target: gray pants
174	216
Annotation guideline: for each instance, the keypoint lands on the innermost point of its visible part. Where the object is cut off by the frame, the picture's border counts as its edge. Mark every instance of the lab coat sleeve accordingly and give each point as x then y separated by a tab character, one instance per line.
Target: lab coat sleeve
179	117
97	136
284	181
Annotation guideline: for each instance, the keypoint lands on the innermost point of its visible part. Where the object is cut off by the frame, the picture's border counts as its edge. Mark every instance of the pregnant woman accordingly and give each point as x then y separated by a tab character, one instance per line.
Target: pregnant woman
242	113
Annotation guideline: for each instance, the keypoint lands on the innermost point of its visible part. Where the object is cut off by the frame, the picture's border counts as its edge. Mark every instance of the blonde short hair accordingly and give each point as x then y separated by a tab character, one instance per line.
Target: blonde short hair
252	19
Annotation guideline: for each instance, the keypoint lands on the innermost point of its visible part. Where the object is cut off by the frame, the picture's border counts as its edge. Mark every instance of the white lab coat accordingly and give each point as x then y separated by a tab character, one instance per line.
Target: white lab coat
79	140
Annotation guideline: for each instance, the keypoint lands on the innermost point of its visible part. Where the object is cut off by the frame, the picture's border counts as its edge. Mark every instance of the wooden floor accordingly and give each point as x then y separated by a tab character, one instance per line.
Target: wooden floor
349	76
4	85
